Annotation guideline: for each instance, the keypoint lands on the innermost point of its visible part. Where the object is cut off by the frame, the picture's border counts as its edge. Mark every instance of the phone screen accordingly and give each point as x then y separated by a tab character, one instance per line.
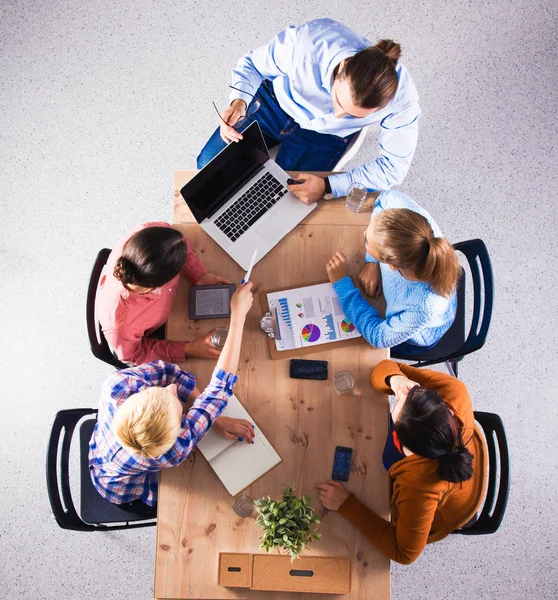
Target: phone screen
342	464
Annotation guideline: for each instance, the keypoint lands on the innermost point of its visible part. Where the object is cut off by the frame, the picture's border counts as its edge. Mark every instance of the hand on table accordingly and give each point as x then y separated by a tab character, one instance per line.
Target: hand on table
229	117
311	190
332	494
211	279
337	267
370	278
234	429
242	299
201	347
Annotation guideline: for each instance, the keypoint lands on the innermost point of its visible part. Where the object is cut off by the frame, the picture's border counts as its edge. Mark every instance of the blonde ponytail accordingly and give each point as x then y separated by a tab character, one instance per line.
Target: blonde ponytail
405	240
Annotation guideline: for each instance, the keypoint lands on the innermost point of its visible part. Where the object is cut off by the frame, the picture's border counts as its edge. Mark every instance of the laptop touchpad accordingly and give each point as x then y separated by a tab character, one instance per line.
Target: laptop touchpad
270	228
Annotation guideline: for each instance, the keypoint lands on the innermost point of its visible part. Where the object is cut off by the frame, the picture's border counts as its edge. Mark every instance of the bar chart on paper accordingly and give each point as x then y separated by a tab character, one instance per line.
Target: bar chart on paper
310	315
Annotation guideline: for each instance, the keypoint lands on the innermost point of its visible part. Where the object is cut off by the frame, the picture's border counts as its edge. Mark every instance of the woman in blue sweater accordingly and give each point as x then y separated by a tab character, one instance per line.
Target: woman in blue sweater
417	268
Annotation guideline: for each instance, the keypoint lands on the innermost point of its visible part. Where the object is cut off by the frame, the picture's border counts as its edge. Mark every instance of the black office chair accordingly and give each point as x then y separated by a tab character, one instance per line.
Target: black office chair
455	344
489	519
97	340
96	513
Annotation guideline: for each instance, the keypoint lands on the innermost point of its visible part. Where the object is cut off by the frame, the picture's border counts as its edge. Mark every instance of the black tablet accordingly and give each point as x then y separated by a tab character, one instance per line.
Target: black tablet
211	301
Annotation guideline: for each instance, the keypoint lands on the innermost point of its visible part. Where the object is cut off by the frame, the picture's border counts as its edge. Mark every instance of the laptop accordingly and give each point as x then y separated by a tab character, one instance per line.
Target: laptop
240	199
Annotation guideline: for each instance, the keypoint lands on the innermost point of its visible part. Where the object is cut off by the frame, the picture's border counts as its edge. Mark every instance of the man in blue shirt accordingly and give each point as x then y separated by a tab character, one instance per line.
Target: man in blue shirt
312	88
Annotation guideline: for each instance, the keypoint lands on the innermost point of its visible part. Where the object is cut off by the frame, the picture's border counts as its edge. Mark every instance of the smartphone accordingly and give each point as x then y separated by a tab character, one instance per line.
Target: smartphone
342	463
308	369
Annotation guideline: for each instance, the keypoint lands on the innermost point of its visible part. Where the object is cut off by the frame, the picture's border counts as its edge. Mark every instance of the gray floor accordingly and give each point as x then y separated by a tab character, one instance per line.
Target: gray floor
101	101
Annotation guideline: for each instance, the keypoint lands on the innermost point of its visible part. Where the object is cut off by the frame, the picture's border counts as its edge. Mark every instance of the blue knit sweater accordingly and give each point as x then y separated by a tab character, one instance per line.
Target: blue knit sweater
414	313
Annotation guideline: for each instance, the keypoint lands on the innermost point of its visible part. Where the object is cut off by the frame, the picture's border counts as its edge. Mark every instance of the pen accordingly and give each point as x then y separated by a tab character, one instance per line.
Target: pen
249	272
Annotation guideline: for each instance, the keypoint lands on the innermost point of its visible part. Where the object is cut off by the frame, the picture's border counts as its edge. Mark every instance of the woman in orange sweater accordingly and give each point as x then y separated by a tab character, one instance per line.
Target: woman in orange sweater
435	457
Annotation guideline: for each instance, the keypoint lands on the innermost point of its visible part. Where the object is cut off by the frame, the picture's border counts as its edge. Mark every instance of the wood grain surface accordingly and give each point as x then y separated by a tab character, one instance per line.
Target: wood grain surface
304	421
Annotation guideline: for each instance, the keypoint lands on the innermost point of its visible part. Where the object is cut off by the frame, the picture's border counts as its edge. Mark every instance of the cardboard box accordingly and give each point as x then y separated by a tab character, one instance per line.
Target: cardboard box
235	570
275	573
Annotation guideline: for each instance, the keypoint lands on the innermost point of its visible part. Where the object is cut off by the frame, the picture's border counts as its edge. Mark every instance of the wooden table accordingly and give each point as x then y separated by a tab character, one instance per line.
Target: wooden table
304	421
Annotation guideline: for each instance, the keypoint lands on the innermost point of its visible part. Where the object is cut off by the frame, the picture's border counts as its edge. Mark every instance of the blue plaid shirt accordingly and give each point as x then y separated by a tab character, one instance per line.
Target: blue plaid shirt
120	476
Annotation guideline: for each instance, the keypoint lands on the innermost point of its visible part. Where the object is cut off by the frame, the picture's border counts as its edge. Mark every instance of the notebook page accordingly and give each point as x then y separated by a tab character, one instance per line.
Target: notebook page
241	464
212	443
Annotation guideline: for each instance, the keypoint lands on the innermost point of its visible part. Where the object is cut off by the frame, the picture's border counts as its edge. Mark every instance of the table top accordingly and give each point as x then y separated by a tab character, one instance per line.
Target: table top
328	212
303	420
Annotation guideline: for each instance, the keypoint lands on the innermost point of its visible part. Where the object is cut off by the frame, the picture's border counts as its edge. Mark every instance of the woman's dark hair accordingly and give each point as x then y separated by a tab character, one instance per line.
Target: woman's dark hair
151	257
372	75
427	427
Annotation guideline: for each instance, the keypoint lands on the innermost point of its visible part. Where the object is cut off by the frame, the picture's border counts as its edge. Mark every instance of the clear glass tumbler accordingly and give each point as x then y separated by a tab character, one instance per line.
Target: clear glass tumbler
243	506
218	337
343	382
356	197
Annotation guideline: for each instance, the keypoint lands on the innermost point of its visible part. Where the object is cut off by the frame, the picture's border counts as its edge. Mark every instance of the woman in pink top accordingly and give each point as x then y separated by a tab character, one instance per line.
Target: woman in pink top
136	291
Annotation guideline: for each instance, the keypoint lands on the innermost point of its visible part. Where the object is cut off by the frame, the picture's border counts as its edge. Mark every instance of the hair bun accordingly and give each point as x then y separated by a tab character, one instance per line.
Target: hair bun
390	48
124	270
456	466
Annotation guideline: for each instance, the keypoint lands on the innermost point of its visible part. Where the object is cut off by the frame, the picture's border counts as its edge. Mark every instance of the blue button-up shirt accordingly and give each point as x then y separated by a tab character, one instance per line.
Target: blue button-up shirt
300	62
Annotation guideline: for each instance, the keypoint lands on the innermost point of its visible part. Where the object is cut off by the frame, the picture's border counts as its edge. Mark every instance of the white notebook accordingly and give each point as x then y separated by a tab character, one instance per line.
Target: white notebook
238	464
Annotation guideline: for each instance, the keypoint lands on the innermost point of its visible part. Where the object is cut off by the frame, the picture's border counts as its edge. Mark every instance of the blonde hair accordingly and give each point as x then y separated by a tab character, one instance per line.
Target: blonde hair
146	424
405	240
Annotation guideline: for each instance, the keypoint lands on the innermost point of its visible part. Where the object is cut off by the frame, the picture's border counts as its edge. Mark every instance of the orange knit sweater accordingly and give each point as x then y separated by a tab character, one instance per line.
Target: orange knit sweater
424	508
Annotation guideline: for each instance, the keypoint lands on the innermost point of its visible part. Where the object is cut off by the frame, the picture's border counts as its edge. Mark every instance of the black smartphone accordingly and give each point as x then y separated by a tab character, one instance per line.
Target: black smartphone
308	369
291	181
342	463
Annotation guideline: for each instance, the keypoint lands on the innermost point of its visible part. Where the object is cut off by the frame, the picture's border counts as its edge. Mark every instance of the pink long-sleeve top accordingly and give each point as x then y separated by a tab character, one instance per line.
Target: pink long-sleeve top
127	318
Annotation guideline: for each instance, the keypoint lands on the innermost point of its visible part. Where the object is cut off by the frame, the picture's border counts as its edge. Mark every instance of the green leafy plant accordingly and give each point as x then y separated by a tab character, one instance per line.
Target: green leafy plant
288	524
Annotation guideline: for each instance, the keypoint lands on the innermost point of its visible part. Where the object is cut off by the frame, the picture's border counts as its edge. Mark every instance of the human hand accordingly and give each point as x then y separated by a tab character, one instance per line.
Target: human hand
234	429
332	494
337	267
370	278
211	279
202	347
236	111
311	190
401	386
242	299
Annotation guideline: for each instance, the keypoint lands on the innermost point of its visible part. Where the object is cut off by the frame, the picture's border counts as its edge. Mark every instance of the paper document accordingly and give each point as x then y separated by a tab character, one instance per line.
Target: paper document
310	316
238	464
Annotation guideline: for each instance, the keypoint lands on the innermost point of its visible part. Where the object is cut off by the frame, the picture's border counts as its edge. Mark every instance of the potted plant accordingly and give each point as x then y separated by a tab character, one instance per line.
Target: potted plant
289	524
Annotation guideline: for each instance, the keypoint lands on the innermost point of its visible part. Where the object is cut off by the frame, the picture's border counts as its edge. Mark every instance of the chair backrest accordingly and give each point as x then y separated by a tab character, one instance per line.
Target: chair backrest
100	513
491	515
57	468
482	279
97	341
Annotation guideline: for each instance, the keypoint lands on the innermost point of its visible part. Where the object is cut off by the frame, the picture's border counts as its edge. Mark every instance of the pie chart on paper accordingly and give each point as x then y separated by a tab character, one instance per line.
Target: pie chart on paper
347	326
311	333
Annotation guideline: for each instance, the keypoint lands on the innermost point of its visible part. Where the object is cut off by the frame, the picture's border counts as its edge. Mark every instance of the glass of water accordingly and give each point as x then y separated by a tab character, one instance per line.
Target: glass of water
243	506
218	337
356	197
343	382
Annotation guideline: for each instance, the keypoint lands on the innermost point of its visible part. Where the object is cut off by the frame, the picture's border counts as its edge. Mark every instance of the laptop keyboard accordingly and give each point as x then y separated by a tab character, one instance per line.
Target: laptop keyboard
250	207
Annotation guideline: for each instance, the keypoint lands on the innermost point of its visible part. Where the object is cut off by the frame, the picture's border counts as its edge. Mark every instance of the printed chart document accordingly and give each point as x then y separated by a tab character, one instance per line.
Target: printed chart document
238	464
308	316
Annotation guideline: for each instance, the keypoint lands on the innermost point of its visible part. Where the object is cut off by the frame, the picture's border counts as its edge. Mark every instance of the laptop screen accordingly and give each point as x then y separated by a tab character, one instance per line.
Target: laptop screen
223	176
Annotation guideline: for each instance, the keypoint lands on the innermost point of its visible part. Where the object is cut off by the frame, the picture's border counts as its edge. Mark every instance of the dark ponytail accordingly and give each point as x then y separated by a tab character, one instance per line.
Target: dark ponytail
151	257
372	75
427	427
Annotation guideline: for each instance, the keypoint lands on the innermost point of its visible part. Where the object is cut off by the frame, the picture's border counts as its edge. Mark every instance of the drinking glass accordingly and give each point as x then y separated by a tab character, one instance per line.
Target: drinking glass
356	197
218	337
343	382
243	506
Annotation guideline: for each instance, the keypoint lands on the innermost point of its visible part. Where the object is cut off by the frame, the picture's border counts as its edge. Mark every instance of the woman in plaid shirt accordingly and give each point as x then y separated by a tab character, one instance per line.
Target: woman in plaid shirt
141	427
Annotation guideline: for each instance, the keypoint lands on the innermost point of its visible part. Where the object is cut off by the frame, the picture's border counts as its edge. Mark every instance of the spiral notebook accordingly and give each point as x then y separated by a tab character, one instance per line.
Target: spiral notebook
238	464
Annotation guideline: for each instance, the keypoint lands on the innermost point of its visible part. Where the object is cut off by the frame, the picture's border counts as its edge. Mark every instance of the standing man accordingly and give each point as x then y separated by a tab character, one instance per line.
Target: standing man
311	89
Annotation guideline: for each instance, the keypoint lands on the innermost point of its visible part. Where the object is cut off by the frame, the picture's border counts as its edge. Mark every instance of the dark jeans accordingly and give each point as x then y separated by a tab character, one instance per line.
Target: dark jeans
301	149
